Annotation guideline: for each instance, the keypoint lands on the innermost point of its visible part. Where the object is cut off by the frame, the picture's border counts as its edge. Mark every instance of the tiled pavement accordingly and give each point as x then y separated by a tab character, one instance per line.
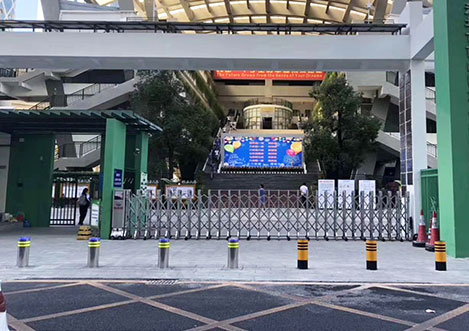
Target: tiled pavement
179	305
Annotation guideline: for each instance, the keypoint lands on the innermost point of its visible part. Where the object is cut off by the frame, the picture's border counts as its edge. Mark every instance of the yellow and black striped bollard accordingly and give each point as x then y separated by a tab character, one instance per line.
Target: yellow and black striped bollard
163	254
94	245
371	255
233	250
302	254
24	243
440	256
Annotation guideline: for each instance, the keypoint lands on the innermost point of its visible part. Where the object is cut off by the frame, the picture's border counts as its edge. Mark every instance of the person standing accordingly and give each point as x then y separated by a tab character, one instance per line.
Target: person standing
83	203
262	197
303	194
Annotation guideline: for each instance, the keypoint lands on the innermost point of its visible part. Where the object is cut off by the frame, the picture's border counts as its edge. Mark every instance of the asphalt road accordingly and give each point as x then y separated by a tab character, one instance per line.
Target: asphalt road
174	305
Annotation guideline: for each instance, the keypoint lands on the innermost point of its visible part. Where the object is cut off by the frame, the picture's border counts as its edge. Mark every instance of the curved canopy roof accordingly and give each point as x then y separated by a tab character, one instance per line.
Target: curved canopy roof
259	11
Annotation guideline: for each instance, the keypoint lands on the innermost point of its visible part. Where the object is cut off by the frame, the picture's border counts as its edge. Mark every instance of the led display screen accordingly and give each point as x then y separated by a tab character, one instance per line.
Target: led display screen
263	152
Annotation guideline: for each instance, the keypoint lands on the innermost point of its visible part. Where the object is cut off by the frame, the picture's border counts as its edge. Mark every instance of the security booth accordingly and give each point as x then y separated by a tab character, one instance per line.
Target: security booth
124	157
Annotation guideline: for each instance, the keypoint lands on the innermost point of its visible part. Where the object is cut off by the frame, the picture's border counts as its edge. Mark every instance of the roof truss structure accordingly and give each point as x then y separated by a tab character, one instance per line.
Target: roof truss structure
271	11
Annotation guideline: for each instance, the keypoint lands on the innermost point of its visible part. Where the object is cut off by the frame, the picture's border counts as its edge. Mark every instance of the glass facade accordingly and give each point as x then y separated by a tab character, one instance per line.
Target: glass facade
267	117
405	129
7	9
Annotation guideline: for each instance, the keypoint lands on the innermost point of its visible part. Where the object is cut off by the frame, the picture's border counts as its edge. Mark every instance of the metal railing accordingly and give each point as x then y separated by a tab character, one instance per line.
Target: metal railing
430	94
432	149
87	92
78	148
269	101
273	215
42	105
179	27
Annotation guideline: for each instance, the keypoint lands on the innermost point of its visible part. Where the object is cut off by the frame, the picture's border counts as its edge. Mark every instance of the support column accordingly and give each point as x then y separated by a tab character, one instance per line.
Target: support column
114	159
412	120
419	135
451	20
29	187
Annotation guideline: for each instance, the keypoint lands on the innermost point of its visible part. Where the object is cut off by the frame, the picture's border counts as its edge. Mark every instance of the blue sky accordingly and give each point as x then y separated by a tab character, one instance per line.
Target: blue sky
26	9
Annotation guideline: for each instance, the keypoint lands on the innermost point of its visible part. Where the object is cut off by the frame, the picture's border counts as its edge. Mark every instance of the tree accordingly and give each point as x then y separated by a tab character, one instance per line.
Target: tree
187	127
339	134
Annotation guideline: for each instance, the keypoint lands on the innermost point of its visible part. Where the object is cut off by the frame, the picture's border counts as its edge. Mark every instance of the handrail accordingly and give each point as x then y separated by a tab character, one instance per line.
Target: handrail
179	27
80	148
432	149
87	92
42	105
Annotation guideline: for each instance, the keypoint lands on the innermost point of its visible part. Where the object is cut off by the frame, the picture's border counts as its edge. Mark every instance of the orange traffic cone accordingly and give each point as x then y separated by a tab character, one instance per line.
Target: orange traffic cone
422	237
435	234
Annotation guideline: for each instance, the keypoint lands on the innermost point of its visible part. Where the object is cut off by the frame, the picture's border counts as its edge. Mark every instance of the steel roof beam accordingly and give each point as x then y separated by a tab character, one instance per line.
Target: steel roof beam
307	10
187	10
229	12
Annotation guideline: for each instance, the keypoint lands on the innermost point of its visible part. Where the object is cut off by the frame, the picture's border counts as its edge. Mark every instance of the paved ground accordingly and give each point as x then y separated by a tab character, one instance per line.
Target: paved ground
179	305
55	253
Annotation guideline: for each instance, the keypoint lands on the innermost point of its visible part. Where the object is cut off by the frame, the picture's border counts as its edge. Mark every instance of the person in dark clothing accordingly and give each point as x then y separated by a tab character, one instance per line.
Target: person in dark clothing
83	203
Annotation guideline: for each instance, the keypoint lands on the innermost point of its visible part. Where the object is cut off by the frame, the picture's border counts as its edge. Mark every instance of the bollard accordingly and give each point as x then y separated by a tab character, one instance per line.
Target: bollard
302	254
371	255
163	256
233	249
24	243
440	255
93	252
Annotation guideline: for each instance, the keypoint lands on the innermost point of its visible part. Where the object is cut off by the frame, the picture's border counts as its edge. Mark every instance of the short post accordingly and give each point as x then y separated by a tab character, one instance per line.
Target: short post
440	256
302	254
163	254
24	243
93	252
233	250
371	255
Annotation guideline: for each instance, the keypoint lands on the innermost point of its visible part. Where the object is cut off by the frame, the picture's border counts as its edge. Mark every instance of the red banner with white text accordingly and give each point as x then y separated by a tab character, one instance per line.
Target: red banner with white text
263	75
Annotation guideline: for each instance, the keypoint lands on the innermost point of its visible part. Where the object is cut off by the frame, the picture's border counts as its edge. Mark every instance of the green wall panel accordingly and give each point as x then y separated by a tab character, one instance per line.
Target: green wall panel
451	19
29	186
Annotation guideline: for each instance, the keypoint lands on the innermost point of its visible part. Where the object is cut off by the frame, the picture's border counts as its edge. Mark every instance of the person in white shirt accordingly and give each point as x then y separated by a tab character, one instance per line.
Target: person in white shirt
303	194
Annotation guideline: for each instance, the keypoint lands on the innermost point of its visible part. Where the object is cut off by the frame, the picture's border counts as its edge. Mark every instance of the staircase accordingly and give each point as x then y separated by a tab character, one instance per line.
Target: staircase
251	181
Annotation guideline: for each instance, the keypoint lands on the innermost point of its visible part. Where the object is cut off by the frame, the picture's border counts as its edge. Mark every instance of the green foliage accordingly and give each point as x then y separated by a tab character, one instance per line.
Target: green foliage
187	127
339	134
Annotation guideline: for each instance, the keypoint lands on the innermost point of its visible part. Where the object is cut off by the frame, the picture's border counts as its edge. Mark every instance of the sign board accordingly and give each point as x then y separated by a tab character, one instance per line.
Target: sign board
94	221
274	75
152	190
326	186
367	187
143	181
118	208
118	180
263	152
183	191
347	186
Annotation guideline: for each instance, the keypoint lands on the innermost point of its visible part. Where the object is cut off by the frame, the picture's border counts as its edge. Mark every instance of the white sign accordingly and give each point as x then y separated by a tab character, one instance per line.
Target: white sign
326	186
183	191
347	186
94	213
368	187
152	190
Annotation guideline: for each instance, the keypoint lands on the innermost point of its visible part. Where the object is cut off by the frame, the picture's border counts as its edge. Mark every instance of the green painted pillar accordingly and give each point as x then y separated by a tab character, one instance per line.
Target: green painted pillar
451	22
29	187
141	158
114	161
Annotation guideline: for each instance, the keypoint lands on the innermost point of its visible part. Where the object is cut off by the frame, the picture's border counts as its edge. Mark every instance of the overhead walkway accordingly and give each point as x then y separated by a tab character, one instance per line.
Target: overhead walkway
369	46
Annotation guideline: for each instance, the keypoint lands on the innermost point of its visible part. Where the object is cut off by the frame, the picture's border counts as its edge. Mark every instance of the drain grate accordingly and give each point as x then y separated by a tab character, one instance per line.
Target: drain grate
161	282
